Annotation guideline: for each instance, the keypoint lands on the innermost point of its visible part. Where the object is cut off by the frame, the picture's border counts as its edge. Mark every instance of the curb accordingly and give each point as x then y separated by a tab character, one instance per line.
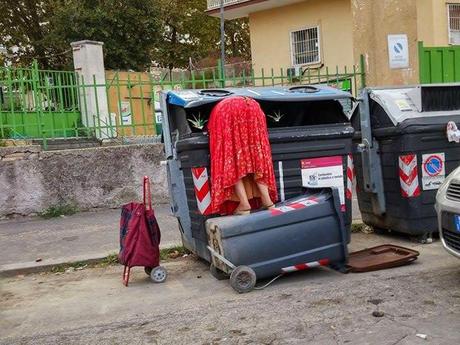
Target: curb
12	270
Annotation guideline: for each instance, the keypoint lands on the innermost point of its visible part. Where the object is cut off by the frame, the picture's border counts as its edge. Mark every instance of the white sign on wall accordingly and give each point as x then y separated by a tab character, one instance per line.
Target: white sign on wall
398	51
125	112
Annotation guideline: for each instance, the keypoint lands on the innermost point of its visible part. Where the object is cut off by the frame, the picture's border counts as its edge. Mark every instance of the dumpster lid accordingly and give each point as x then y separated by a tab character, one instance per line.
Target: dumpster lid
408	102
380	257
194	98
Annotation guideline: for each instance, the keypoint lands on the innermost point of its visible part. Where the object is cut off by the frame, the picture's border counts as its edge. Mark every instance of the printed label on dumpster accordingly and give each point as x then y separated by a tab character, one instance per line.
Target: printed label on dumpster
324	172
433	170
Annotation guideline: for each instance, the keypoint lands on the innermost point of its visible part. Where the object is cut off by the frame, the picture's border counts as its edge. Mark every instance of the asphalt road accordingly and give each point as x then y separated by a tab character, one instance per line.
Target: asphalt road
320	306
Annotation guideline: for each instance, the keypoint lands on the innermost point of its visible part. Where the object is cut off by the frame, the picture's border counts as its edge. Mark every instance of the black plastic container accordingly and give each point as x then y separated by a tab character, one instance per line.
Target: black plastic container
314	129
415	128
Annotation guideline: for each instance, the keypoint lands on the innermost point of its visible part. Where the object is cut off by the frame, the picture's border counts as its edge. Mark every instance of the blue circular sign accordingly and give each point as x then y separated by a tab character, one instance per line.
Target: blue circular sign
433	165
398	47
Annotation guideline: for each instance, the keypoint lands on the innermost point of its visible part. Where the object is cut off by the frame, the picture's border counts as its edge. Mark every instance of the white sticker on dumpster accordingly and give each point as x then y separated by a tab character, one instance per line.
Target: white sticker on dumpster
433	170
324	172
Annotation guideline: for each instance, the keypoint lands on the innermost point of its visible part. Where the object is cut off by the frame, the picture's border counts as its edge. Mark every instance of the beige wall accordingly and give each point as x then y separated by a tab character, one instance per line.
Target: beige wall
349	28
270	33
432	23
373	21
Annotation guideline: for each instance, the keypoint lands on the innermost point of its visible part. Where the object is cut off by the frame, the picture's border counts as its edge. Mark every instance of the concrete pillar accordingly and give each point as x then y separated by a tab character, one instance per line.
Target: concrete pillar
88	60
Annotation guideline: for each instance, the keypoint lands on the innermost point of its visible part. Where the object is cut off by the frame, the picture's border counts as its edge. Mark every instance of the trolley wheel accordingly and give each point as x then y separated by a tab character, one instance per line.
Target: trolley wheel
243	279
217	273
148	270
158	274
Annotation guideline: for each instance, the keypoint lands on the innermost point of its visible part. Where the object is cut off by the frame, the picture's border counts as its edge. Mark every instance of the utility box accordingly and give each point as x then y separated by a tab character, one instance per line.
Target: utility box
403	154
311	142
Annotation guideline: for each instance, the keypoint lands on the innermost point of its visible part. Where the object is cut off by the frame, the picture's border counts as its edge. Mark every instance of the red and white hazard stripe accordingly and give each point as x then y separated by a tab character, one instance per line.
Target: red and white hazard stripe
350	177
306	266
408	176
202	190
299	204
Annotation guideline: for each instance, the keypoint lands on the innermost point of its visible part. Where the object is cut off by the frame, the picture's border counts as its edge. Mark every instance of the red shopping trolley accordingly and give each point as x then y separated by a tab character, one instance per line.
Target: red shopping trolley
140	238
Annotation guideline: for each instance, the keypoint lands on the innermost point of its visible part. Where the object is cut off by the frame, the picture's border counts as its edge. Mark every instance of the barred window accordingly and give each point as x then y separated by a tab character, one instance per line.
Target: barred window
305	46
453	11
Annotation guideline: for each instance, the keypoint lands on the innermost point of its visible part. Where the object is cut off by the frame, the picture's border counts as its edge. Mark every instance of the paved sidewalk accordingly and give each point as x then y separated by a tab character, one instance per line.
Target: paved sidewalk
83	236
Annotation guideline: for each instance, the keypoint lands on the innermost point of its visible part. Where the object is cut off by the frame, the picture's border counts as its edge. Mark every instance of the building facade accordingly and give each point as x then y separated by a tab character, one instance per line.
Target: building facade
315	34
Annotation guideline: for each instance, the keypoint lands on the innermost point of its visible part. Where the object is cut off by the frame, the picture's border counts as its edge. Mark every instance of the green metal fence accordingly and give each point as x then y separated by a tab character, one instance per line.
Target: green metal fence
36	103
46	105
439	64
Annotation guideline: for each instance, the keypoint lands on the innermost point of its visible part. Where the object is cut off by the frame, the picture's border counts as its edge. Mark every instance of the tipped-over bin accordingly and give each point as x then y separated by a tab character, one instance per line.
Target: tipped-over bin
301	233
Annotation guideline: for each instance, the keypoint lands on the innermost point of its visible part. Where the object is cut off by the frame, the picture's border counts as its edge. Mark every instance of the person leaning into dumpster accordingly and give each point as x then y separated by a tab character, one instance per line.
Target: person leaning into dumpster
242	176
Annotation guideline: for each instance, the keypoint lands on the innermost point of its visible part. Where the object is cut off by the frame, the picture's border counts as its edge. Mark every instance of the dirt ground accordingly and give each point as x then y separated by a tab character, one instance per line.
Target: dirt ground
317	307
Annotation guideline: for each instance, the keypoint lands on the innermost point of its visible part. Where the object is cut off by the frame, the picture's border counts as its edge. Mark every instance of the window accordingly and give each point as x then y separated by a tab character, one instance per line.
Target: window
305	46
453	11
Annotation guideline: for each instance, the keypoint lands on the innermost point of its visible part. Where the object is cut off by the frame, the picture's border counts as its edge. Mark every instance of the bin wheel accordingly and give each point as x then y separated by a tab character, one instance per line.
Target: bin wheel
158	274
243	279
217	273
148	270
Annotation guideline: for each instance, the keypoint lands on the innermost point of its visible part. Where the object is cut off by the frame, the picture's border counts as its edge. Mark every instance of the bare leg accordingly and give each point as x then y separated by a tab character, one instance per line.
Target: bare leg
264	195
240	192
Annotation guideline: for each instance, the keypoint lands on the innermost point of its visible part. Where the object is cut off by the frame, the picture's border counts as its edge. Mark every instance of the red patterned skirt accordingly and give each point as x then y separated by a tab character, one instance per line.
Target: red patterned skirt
239	147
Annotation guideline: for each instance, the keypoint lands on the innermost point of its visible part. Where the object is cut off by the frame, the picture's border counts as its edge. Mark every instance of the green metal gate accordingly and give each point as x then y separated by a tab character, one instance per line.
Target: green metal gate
38	103
439	64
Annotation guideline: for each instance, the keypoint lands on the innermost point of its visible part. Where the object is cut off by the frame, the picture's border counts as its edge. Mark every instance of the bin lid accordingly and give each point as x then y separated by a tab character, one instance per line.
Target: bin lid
194	98
380	257
409	102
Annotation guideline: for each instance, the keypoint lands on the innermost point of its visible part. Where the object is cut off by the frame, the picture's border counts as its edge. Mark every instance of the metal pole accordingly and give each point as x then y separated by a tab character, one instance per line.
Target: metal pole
222	40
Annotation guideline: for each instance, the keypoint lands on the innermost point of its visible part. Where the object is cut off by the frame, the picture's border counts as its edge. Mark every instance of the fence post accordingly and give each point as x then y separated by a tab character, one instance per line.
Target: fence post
221	67
38	101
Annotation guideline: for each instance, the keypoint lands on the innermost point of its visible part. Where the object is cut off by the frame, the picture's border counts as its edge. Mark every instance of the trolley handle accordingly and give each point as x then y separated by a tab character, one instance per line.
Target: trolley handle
147	194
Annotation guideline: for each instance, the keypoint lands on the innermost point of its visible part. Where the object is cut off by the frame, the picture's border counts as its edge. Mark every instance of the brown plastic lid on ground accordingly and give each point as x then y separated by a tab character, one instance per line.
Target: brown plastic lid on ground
380	257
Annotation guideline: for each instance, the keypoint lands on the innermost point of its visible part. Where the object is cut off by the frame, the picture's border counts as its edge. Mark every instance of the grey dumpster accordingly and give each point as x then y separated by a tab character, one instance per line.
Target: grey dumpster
403	154
310	136
303	232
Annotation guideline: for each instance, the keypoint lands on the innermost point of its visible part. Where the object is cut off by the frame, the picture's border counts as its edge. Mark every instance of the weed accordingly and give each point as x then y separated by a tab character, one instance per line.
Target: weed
62	268
173	252
357	227
112	259
361	227
59	210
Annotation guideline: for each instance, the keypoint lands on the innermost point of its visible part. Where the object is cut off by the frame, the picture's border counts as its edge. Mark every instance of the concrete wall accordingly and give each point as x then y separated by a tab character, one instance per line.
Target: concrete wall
432	25
373	21
32	180
270	33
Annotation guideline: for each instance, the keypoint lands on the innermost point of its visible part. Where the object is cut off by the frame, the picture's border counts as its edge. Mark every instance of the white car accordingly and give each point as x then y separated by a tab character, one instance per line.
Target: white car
448	210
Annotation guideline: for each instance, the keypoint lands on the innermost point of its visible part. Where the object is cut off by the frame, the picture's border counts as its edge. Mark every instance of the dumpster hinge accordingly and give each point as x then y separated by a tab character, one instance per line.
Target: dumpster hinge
369	149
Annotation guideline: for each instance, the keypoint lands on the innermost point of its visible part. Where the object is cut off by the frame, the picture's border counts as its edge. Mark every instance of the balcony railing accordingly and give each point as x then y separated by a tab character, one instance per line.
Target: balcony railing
213	4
